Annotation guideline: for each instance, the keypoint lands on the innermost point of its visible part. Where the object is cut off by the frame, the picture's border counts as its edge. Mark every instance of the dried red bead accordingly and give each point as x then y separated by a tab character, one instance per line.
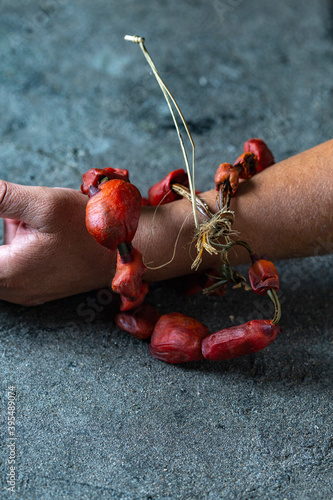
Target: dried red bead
247	165
189	284
212	278
127	304
263	276
112	214
263	154
177	338
227	172
140	322
239	340
192	284
161	193
93	177
128	277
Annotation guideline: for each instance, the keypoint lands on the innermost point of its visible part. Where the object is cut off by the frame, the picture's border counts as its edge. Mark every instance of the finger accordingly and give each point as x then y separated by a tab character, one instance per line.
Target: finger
23	203
11	226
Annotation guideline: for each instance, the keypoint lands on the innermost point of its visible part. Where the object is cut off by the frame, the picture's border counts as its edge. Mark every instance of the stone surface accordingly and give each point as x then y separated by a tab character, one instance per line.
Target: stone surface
97	416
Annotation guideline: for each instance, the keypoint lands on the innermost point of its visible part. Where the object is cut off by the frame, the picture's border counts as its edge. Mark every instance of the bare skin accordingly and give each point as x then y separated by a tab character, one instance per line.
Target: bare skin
283	212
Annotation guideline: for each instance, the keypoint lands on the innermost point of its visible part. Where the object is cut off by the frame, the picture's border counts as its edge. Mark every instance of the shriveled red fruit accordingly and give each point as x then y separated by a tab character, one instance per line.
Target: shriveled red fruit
139	322
192	284
161	193
263	275
263	154
239	340
227	172
247	165
112	214
128	277
211	279
177	338
188	285
127	304
93	177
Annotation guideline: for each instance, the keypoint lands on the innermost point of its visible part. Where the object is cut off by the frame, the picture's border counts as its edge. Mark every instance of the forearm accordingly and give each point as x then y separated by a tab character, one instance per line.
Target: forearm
283	212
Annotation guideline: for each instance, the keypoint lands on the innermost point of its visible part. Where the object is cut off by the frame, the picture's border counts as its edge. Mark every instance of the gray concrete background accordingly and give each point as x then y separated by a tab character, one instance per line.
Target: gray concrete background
97	416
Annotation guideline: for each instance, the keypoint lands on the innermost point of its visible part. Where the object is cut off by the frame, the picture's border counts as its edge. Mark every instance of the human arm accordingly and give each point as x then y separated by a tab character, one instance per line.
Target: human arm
285	211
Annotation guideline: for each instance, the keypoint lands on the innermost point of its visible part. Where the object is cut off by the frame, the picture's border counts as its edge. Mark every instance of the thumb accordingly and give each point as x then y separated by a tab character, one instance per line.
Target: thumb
23	203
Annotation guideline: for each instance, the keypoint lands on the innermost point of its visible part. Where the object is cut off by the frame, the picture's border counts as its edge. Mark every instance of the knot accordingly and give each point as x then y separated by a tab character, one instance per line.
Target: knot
210	232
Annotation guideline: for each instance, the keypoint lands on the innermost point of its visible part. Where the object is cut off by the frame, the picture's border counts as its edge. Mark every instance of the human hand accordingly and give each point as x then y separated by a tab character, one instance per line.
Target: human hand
48	252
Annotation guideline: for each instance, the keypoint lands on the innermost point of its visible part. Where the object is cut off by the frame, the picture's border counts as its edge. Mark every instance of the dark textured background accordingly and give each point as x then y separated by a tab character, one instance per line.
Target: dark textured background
98	417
